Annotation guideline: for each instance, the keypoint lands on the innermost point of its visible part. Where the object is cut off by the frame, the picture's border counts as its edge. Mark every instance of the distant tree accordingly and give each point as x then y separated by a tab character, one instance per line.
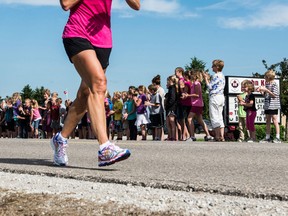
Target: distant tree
257	75
197	64
27	92
38	94
281	70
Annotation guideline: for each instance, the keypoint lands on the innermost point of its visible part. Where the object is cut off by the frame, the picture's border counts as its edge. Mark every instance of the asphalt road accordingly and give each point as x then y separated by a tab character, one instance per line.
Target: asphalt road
228	168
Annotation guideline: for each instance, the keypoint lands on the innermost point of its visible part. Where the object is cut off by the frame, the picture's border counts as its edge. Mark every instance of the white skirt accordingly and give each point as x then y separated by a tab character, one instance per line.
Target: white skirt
142	119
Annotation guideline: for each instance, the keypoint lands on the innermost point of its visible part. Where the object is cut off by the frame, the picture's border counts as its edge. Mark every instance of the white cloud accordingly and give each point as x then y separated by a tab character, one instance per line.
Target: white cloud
31	2
162	7
232	5
156	6
271	16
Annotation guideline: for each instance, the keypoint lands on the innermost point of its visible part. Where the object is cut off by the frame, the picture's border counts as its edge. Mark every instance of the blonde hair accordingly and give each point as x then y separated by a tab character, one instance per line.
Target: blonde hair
270	75
197	75
54	95
117	94
219	64
16	96
34	103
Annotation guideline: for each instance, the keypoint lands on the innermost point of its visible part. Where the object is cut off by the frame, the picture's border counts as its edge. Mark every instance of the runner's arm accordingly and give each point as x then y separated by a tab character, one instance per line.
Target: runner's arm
68	4
134	4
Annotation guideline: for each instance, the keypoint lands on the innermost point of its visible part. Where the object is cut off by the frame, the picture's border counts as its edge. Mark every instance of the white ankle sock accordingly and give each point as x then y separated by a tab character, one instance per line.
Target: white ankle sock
61	137
103	145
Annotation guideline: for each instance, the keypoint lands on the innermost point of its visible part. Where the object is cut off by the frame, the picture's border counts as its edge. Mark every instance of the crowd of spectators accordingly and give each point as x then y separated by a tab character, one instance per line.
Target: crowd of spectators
129	113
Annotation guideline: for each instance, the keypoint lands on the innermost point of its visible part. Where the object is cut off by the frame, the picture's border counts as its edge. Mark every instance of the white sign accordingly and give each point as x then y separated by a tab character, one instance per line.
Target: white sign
234	84
233	110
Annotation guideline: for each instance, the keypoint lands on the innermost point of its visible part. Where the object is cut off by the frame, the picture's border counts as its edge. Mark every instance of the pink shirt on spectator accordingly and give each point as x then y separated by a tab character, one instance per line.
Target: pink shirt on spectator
91	20
36	114
187	101
197	101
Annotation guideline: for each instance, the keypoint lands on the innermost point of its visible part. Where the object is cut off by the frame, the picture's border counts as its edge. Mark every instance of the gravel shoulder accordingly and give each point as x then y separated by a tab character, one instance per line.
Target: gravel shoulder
25	194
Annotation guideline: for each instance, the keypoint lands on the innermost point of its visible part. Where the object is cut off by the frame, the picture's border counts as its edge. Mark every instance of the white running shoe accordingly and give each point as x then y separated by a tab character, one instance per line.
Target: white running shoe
112	154
59	147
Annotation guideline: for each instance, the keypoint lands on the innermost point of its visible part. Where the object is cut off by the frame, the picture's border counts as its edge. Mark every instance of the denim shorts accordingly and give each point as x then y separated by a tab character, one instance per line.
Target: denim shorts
35	124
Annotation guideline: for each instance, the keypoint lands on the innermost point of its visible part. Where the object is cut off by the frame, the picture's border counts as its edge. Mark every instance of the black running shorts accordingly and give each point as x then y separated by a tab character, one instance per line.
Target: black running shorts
76	45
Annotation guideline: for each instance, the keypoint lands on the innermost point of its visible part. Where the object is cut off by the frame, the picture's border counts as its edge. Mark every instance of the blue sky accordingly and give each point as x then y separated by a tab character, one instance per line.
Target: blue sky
165	34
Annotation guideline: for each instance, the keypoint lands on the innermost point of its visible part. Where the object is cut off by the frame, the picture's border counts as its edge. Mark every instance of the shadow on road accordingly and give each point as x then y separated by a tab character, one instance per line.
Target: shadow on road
46	162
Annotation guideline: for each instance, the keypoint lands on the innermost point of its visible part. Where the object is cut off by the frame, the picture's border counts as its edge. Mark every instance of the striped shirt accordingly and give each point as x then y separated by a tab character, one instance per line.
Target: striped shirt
272	103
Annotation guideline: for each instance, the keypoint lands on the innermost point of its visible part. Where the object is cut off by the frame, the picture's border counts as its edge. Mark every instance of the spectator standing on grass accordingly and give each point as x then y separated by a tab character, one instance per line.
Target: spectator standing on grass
197	108
24	116
108	108
181	125
187	104
250	109
2	119
62	111
170	102
271	106
156	112
242	113
55	115
35	118
47	119
142	116
9	118
124	95
160	90
117	112
16	101
130	115
216	87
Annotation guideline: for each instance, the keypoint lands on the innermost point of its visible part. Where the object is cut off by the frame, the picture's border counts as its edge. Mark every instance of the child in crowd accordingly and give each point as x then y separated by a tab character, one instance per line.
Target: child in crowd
16	101
271	106
156	112
216	98
182	129
160	90
83	126
187	104
47	120
250	108
197	105
142	117
241	113
117	111
68	104
124	96
23	117
171	99
62	111
55	114
9	118
35	117
130	115
2	119
108	108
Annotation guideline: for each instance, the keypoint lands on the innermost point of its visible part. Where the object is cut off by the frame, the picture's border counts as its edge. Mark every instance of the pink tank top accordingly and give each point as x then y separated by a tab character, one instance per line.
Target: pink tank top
197	102
36	114
91	20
